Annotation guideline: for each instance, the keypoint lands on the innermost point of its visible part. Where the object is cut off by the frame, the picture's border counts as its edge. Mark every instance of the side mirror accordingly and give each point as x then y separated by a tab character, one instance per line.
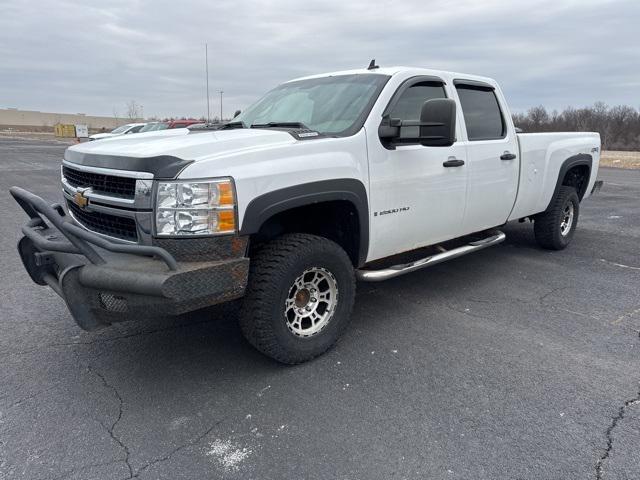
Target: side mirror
436	127
389	128
438	123
238	112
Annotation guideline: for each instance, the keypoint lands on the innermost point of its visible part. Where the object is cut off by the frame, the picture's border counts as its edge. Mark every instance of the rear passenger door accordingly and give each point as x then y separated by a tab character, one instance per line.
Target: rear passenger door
492	156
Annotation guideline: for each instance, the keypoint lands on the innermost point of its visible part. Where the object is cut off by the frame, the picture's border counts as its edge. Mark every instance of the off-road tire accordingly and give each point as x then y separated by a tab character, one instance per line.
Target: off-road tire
547	226
273	270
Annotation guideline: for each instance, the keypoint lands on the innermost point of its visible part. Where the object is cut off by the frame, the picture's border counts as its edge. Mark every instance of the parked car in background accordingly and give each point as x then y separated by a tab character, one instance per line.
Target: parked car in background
198	127
121	130
154	126
182	123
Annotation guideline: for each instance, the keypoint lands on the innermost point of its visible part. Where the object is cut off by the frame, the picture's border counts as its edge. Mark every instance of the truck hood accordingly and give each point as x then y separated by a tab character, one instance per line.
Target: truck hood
184	144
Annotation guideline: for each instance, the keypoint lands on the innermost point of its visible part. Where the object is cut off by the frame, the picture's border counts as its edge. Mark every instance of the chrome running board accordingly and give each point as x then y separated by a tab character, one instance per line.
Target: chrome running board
397	270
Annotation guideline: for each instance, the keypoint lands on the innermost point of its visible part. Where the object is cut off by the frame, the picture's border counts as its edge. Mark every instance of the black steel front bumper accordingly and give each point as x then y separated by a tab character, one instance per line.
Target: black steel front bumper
104	281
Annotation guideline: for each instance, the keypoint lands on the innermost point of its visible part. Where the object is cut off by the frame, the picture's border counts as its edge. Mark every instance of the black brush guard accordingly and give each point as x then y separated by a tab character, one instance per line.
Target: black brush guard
103	280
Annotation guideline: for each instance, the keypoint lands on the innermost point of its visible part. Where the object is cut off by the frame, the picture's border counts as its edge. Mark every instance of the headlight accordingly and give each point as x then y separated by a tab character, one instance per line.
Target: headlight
195	208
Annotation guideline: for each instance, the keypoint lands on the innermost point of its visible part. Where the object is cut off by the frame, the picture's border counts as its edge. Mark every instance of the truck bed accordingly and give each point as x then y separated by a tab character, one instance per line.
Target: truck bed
541	158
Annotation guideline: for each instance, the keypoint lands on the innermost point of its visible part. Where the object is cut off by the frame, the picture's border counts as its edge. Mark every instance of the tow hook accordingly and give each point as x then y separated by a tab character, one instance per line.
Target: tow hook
43	259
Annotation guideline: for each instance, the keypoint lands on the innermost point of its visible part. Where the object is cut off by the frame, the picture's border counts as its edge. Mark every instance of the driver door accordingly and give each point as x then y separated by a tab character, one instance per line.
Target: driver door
417	194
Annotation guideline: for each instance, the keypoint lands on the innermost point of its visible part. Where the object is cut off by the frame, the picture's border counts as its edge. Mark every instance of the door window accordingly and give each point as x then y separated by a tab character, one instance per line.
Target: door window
409	104
482	113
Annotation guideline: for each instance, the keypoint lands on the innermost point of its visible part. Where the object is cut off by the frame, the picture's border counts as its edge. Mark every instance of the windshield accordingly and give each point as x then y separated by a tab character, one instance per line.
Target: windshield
121	129
328	105
152	127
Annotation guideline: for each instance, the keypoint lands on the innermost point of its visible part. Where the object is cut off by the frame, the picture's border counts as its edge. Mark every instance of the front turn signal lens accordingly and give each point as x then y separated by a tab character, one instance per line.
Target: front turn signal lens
225	194
226	220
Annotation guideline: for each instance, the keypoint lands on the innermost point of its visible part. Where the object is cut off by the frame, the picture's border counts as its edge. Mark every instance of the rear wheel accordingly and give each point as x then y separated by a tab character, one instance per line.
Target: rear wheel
555	227
299	297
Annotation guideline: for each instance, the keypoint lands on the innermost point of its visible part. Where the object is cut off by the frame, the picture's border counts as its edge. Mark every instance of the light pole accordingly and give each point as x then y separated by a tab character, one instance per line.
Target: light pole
221	92
206	62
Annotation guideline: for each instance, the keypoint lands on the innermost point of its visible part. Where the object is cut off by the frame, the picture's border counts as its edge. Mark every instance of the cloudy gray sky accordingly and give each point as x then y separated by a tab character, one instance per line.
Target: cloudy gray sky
92	57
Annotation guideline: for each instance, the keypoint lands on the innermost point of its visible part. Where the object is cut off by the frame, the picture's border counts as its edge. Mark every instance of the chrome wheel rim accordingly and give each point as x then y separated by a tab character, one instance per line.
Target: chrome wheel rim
311	302
567	219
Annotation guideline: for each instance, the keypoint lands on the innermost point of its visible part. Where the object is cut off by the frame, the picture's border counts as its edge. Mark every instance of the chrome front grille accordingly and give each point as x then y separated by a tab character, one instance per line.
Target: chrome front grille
114	203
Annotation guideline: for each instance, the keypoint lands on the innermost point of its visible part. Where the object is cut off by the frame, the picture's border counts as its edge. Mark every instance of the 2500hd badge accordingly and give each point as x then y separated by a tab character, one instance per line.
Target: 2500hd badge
393	210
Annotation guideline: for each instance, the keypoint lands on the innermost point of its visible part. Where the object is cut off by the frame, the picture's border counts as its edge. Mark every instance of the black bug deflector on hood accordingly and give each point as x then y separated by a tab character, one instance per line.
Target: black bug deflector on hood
162	166
104	281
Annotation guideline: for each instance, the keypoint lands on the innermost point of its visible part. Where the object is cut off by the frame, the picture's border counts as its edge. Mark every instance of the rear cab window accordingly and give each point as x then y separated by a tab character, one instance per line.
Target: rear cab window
482	114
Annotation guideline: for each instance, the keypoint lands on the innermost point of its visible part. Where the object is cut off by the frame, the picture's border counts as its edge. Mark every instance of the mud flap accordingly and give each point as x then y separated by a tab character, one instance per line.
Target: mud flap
597	187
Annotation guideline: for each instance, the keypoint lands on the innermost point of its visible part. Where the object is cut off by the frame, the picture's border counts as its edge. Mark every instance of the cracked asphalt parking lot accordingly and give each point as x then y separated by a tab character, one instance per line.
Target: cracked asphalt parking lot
511	363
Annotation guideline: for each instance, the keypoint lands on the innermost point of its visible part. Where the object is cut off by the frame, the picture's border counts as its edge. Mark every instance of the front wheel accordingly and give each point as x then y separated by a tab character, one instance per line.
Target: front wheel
555	227
299	297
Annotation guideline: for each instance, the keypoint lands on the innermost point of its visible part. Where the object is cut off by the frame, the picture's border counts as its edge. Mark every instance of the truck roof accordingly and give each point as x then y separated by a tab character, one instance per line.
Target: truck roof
391	71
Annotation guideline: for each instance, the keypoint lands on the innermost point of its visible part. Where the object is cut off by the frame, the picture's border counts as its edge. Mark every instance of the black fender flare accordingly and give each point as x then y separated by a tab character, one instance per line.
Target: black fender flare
568	164
265	206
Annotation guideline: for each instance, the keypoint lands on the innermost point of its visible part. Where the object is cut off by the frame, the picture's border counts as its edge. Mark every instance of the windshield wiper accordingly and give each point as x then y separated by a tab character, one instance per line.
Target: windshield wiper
230	125
280	125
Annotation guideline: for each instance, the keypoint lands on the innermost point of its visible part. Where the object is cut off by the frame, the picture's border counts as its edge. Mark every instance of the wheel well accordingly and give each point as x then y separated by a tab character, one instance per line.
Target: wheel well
336	220
578	178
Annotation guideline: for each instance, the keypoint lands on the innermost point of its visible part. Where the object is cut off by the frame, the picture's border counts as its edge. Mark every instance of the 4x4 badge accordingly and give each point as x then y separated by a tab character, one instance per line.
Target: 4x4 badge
79	199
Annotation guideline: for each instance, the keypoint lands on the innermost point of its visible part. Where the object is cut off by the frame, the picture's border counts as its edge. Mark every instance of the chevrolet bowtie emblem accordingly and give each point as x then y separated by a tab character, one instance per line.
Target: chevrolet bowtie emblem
79	199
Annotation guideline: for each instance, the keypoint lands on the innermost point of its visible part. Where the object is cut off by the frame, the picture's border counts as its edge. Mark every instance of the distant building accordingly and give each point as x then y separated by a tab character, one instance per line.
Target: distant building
44	121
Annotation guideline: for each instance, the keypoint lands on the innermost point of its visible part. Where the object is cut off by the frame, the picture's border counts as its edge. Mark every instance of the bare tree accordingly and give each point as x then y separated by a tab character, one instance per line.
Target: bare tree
619	126
133	110
115	116
538	116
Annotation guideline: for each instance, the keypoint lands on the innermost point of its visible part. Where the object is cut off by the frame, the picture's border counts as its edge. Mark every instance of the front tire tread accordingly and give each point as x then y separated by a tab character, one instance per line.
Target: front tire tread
268	276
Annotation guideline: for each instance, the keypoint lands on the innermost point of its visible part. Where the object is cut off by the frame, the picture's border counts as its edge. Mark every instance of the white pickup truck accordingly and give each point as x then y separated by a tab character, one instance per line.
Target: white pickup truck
364	174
